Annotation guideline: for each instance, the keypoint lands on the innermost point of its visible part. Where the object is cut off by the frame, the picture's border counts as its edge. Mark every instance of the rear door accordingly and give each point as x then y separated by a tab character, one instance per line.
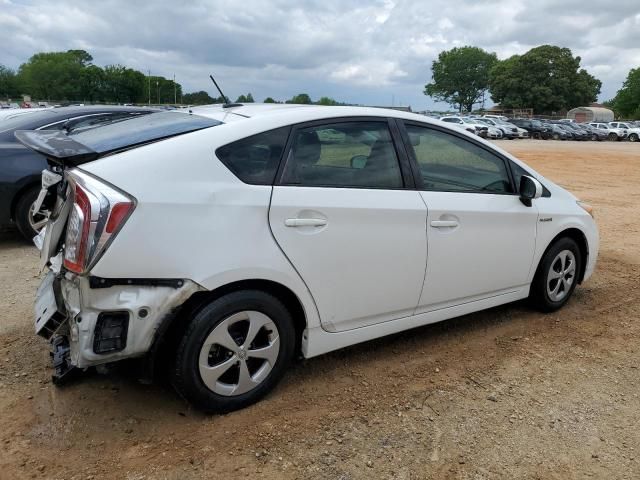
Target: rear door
481	237
346	215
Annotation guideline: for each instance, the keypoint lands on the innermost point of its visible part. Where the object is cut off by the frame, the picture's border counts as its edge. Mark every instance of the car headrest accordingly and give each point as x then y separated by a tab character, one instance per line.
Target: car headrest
307	148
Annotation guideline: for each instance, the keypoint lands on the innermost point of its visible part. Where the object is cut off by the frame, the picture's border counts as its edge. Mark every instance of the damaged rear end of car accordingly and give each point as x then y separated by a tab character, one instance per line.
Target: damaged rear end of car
89	320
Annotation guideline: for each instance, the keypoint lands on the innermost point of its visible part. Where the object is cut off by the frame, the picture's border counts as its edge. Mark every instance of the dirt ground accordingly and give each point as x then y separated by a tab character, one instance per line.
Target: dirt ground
505	393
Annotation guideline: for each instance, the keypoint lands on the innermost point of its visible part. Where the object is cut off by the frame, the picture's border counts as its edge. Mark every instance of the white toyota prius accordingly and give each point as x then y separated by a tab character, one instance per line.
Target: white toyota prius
222	241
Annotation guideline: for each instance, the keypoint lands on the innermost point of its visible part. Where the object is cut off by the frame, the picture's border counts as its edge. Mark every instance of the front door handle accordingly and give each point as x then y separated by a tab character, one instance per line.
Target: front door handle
305	222
444	223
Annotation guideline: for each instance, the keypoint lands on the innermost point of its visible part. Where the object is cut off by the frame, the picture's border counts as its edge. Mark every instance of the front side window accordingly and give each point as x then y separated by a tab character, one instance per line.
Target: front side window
255	159
346	154
451	163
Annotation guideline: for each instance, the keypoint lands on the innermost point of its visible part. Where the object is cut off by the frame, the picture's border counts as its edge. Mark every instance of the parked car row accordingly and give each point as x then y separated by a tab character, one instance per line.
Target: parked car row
488	127
567	130
500	127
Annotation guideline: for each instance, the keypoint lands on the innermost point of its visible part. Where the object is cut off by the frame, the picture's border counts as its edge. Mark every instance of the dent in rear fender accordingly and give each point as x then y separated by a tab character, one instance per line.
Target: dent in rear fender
84	304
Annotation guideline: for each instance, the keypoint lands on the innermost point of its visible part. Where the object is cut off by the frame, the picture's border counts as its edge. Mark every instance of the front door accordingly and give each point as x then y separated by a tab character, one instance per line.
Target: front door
481	238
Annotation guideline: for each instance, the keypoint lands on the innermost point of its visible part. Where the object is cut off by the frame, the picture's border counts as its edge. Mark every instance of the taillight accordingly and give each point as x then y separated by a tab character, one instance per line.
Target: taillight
98	212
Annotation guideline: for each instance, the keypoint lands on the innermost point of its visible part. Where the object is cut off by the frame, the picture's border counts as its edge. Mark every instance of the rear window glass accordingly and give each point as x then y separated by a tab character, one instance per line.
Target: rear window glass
255	159
141	129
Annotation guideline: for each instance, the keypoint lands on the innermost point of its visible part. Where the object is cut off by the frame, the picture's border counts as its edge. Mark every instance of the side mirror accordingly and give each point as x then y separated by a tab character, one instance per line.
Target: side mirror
530	189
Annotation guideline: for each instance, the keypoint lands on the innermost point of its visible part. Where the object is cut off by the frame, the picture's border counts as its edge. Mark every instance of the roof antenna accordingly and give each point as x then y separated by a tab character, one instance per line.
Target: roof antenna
227	103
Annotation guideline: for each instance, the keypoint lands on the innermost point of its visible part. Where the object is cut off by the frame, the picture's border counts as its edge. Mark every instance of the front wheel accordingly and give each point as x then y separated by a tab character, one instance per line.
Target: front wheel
633	137
234	351
613	137
557	276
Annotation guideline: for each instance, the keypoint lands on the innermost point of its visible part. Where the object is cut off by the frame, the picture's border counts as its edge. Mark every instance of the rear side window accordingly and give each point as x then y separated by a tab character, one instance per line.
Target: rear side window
349	154
255	159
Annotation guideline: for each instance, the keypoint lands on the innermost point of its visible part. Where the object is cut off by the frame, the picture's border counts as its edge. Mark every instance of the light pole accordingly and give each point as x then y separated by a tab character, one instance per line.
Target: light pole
149	77
158	88
175	90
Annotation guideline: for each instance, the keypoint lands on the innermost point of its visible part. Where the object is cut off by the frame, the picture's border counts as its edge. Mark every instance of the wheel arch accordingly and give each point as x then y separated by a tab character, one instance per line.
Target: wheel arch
173	326
579	237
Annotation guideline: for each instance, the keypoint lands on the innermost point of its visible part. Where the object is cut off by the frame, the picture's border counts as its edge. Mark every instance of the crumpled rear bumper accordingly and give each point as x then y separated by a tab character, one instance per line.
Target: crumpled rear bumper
145	307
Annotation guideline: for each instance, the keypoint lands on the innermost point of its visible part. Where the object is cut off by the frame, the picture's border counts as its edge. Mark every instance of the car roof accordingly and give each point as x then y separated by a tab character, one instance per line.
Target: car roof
309	112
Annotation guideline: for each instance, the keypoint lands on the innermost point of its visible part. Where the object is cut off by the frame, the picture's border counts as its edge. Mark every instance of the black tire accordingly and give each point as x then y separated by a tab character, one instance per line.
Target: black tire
633	137
186	375
613	137
538	296
23	211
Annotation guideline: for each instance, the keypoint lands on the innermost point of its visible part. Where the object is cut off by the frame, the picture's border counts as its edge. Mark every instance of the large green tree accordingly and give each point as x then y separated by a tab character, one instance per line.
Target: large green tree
627	101
8	83
248	98
200	98
125	85
163	90
460	76
302	98
54	75
546	78
326	101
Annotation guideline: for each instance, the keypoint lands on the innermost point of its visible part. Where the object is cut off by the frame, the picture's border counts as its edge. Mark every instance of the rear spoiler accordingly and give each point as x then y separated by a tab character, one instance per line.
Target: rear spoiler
57	147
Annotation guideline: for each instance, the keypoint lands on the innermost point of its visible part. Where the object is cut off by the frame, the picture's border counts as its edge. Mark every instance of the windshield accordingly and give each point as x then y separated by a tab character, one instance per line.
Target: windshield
142	129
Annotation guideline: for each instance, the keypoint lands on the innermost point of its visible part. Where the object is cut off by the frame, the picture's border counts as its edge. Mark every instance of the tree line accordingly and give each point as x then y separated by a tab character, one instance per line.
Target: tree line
72	76
203	98
546	78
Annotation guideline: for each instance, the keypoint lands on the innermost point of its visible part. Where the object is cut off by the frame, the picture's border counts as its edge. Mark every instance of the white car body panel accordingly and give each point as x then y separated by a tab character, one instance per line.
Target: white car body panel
367	264
490	250
197	221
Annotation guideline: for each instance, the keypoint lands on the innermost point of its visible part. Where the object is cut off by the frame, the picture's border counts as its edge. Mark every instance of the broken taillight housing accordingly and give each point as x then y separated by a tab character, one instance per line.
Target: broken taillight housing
98	213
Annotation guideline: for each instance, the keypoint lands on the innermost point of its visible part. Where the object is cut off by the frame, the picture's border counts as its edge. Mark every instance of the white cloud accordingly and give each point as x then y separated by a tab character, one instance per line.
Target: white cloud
356	51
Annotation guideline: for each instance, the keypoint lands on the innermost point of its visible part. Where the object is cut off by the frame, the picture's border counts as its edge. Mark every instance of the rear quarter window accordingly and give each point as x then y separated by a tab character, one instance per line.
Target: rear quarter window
255	159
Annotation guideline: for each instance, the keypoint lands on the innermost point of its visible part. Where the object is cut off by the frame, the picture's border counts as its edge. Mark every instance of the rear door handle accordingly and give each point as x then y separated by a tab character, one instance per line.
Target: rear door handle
305	222
444	223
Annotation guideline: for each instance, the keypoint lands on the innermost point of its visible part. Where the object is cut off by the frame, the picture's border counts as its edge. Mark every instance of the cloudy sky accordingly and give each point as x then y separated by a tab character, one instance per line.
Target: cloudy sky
369	52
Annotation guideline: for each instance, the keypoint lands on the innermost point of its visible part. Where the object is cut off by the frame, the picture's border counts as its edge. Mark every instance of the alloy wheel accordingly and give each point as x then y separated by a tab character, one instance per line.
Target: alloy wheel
239	353
561	275
37	220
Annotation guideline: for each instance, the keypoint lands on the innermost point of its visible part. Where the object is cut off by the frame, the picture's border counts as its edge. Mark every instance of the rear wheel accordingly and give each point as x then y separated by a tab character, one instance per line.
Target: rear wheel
234	351
633	137
29	223
557	276
613	136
